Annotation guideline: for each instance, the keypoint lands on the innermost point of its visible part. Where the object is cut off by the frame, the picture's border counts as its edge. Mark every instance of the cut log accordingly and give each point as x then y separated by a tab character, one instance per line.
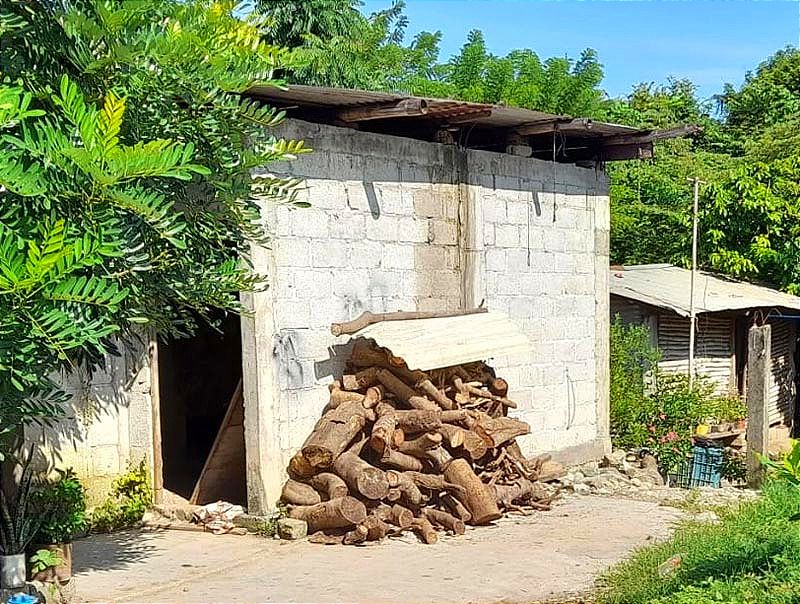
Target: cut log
360	380
404	392
411	495
435	394
434	482
365	354
361	477
453	417
443	519
499	430
479	499
521	492
456	507
550	471
342	512
419	446
424	529
376	527
415	421
440	458
373	396
382	436
398	438
357	535
475	391
339	397
333	433
498	387
297	493
330	485
453	435
401	461
474	445
299	468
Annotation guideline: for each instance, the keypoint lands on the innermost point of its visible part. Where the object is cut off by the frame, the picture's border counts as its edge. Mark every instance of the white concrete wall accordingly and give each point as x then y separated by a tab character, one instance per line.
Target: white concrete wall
107	424
391	228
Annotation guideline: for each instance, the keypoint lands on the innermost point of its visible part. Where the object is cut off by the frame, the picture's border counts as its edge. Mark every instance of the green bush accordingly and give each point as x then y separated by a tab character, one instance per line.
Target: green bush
131	495
654	409
750	557
61	506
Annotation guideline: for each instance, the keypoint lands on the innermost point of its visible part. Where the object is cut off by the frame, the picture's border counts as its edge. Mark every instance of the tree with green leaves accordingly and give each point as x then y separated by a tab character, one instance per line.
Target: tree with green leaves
127	185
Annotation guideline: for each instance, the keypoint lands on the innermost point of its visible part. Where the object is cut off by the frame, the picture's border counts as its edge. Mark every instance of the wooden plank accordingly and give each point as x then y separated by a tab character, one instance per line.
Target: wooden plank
155	406
223	474
759	341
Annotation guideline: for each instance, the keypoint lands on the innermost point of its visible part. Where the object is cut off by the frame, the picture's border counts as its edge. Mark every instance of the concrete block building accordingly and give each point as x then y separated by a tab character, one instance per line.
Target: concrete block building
416	204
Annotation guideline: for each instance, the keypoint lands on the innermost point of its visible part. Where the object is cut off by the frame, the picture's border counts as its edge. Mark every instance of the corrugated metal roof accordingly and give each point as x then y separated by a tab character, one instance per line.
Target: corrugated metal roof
442	342
500	116
667	286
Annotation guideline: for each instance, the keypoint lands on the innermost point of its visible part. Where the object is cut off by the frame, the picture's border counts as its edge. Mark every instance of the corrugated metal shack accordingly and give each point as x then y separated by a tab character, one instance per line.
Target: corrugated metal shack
658	295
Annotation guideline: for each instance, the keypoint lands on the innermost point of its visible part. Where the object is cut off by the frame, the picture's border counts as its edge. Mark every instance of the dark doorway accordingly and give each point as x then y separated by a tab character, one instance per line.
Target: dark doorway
198	377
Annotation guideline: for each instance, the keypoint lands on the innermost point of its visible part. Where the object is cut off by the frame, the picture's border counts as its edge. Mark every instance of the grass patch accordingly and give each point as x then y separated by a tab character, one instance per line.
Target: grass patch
751	557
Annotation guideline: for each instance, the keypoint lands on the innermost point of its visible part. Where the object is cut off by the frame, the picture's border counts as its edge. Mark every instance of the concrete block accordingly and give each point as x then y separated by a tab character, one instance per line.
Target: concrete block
385	228
292	251
494	208
310	223
347	224
434	257
312	283
427	203
443	232
329	253
398	256
496	260
506	235
517	211
393	199
488	233
412	229
327	194
517	261
292	529
365	254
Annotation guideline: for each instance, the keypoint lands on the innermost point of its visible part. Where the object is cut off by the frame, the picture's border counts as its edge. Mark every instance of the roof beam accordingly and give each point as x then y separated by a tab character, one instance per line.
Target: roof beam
652	136
380	111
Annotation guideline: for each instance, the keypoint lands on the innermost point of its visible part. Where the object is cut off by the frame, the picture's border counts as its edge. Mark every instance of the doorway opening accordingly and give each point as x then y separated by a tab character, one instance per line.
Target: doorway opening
201	410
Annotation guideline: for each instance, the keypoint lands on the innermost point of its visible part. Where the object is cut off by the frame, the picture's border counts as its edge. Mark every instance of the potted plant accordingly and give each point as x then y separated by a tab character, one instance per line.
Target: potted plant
17	528
61	506
44	564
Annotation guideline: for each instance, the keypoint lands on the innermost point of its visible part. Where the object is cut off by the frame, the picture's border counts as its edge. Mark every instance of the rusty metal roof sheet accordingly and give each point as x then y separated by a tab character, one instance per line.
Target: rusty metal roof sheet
442	342
667	286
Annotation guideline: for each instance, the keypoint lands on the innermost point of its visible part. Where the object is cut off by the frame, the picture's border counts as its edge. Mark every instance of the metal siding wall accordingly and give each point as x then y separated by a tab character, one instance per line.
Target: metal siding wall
628	311
713	349
781	385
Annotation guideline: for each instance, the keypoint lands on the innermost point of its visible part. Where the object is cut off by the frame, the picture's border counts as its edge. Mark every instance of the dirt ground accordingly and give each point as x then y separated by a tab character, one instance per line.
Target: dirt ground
543	557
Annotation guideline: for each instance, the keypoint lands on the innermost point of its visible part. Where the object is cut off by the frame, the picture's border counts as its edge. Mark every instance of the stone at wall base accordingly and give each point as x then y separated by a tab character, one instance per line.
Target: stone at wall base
292	529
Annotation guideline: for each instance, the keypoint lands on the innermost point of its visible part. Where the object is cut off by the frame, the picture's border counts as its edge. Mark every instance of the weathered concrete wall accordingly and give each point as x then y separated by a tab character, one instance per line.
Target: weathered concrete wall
107	425
399	224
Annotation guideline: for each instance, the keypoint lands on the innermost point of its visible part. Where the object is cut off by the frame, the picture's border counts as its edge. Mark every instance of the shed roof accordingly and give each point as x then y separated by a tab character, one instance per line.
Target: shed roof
474	125
667	286
445	341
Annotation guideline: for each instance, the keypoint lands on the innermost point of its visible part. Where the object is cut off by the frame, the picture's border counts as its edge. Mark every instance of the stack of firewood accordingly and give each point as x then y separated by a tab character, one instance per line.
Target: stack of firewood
400	449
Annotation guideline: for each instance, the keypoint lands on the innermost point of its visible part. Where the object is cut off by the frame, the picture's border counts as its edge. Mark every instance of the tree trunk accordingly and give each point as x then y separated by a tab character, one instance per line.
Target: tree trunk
339	397
401	461
499	430
435	483
479	498
453	435
415	421
425	530
456	507
437	395
299	468
383	433
297	493
342	512
361	477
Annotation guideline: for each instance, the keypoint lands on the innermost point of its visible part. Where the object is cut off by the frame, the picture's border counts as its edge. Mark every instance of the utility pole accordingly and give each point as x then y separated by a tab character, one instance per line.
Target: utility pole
692	310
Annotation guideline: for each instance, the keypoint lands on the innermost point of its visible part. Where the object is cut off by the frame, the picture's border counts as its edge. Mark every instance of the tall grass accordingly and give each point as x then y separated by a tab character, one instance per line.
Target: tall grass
751	557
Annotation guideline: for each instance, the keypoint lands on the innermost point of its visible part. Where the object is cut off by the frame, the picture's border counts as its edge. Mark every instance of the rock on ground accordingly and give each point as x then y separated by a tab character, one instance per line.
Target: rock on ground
544	556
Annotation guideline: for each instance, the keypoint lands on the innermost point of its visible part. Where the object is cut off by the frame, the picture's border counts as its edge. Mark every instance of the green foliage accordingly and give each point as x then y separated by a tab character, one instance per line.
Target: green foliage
289	22
130	497
734	466
269	528
44	559
61	508
127	162
749	557
787	469
653	409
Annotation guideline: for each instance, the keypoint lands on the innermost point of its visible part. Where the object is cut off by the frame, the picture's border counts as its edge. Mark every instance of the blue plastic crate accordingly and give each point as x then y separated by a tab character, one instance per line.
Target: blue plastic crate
702	469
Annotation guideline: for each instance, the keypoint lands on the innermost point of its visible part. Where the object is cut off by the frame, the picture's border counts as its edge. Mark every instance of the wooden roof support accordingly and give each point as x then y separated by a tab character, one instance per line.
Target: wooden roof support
379	111
634	139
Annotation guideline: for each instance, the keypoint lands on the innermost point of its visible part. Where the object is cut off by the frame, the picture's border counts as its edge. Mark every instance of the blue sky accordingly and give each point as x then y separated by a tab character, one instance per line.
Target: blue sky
709	41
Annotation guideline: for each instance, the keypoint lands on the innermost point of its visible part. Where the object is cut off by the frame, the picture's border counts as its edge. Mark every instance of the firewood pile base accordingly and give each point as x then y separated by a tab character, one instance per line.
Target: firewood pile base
404	450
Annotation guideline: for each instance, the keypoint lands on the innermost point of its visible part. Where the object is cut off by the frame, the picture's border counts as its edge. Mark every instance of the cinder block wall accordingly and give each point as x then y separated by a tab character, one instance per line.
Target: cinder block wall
107	423
399	224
